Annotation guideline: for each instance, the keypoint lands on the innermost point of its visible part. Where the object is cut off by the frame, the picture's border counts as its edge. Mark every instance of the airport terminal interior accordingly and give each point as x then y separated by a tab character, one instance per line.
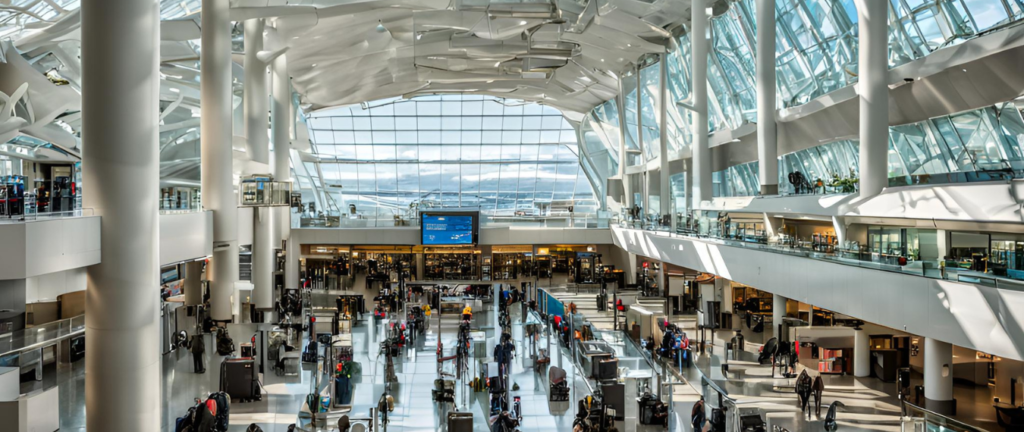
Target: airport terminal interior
512	215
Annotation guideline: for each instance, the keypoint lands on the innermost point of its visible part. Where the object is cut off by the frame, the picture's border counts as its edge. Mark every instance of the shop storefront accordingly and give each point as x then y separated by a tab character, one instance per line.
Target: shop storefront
451	264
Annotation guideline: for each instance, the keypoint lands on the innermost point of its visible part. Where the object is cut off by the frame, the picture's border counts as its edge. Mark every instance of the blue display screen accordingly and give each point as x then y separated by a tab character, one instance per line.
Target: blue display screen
447	230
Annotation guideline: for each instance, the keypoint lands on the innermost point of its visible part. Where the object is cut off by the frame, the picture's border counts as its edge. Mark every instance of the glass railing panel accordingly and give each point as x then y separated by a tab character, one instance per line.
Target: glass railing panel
704	228
919	419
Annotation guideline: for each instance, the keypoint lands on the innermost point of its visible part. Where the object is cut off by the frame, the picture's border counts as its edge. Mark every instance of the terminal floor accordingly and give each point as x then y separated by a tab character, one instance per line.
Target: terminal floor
416	370
871	404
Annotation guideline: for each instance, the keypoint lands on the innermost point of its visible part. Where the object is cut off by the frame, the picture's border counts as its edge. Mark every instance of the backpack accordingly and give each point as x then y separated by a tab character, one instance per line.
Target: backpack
184	423
223	402
253	428
310	354
225	345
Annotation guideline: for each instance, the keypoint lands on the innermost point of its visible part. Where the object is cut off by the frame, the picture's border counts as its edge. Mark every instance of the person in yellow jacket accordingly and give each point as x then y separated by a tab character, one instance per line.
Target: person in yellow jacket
426	310
467	313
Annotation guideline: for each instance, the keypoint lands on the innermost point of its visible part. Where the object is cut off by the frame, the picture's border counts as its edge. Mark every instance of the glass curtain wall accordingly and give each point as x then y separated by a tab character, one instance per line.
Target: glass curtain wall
505	157
816	53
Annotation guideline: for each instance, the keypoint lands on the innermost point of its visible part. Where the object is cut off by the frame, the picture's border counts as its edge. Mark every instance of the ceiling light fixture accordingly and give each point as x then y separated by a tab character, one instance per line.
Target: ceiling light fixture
490	81
496	64
313	65
380	27
522	22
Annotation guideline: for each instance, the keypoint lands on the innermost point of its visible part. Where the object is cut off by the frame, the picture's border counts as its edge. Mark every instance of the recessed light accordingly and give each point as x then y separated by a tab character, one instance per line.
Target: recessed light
490	81
602	60
522	22
313	65
629	45
496	64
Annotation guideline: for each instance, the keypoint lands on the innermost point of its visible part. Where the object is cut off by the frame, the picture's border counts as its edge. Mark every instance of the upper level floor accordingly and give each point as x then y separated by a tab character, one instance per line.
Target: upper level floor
971	310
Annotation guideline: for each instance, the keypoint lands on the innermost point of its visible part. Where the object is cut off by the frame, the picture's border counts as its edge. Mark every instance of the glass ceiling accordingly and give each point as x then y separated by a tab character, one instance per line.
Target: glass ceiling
816	53
450	151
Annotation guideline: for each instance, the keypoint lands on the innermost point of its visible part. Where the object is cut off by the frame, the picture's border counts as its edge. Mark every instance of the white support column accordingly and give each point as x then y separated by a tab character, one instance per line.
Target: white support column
121	165
938	376
873	17
839	224
688	180
767	146
263	257
257	144
664	174
701	185
644	194
281	125
255	94
215	130
861	354
778	314
627	188
291	265
772	225
193	286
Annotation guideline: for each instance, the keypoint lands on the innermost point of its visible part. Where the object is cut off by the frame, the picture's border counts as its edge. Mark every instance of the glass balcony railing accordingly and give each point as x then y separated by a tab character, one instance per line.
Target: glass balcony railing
918	419
40	336
707	230
385	218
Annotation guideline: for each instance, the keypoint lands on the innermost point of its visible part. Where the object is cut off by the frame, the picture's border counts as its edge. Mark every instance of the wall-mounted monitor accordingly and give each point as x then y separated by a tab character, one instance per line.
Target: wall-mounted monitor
169	274
449	228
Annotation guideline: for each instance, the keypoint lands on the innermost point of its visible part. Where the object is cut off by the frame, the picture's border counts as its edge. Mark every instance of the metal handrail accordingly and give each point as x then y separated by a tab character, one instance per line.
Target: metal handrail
947	423
951	275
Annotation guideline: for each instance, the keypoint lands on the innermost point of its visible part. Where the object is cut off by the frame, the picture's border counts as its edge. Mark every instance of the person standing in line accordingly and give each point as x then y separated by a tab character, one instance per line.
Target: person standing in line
697	418
198	348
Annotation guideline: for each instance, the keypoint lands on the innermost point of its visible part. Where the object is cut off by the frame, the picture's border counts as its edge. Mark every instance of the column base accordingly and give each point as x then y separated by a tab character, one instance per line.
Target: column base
947	407
770	189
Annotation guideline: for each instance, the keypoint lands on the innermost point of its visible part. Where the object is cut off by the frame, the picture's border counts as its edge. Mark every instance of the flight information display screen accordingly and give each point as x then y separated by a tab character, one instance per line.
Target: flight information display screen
448	229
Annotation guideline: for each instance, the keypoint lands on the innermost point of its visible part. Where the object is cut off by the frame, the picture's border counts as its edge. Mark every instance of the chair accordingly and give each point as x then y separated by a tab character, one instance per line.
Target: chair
1010	419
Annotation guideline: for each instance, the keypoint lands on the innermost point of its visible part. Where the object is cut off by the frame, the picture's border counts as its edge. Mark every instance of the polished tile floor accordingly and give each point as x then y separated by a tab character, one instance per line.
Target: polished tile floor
282	399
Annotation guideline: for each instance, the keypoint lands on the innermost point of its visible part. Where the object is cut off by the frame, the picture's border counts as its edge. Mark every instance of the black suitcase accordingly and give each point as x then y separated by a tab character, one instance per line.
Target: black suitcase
460	421
223	411
238	378
310	354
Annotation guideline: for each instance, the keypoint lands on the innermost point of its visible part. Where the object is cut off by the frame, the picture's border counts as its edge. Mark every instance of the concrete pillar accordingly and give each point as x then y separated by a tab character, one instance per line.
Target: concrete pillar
215	130
778	313
255	94
627	188
420	266
861	354
120	127
193	286
767	147
664	173
631	269
839	224
688	180
701	185
645	190
938	376
263	257
873	17
772	226
291	264
942	240
281	125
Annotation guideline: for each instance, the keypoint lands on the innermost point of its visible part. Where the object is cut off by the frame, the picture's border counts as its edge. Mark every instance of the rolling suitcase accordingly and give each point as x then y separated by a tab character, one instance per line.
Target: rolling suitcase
460	422
238	378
